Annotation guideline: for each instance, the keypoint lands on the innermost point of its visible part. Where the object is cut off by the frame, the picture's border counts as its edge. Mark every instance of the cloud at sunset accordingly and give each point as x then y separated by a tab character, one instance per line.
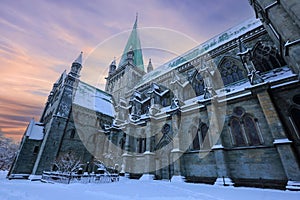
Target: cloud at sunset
40	39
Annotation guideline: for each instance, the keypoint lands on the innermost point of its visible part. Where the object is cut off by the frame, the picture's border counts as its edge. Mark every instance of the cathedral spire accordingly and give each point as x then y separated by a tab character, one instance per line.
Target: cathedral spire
76	66
134	44
79	59
150	66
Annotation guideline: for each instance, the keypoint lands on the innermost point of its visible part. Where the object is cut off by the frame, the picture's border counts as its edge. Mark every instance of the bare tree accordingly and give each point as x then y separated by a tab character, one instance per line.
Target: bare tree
67	162
8	149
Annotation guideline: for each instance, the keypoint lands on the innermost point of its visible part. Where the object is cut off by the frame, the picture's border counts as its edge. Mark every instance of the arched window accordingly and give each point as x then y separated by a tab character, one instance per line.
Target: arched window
198	84
141	145
236	130
122	142
251	130
72	134
231	70
244	128
294	118
195	136
200	137
266	57
295	115
205	144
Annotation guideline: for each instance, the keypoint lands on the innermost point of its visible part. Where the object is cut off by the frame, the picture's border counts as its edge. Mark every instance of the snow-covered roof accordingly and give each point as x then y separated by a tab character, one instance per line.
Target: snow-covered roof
271	77
35	130
94	99
203	48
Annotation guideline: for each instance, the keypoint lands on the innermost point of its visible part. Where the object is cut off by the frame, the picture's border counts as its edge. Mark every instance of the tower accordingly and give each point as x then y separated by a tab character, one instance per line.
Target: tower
133	44
56	116
130	70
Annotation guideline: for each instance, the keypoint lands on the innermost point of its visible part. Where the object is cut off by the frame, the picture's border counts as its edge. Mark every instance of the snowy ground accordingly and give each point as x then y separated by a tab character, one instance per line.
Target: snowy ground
133	189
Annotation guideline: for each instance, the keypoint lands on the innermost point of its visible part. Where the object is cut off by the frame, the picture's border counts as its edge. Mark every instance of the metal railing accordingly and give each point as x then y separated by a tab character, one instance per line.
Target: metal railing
67	178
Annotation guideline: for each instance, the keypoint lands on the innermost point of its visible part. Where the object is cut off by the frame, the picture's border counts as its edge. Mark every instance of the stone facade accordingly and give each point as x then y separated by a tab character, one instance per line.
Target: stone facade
226	112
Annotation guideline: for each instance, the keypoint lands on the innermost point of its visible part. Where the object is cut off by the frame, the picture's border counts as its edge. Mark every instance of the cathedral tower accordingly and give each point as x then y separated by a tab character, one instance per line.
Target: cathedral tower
121	80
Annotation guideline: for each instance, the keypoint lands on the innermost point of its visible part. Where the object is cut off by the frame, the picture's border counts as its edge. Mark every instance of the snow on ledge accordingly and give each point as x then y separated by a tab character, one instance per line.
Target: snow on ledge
282	141
148	153
176	151
217	147
224	182
178	179
35	130
147	177
35	177
293	185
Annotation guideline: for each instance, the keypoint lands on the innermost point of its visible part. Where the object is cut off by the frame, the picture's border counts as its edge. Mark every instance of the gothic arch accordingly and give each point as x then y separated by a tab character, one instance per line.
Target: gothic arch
231	70
199	135
237	132
198	83
244	128
294	115
266	57
251	129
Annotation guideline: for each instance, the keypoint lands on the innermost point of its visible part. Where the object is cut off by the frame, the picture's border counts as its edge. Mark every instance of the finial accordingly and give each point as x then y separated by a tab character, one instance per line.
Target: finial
79	59
135	23
114	61
150	66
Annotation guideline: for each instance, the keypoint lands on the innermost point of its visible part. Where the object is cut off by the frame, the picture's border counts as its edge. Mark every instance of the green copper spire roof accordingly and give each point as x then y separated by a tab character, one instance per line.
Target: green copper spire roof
134	44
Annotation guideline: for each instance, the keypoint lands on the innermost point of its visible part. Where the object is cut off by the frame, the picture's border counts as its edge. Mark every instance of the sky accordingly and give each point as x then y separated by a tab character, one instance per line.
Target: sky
39	39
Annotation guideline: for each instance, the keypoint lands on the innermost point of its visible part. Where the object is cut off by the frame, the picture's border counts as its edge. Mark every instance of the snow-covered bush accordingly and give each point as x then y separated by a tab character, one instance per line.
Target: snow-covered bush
8	149
67	162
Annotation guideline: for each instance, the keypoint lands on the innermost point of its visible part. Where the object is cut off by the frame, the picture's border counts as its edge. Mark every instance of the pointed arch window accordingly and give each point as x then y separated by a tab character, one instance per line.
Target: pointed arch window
231	70
205	143
295	116
195	136
141	145
72	134
237	132
251	130
244	128
266	57
200	137
198	84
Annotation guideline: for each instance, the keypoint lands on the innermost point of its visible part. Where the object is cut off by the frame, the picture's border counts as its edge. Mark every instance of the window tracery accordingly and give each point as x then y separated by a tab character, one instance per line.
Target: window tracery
244	128
231	70
266	57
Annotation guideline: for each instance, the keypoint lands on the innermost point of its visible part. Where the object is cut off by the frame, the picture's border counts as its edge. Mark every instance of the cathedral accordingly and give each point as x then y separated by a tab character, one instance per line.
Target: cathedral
227	112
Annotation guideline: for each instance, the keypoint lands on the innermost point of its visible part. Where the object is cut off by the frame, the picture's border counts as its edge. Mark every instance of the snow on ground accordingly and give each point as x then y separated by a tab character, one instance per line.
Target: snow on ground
133	189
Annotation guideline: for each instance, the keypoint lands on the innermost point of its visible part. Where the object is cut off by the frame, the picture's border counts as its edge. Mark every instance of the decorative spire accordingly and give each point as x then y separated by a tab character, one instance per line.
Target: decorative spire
79	59
112	67
133	44
243	48
76	66
150	66
114	61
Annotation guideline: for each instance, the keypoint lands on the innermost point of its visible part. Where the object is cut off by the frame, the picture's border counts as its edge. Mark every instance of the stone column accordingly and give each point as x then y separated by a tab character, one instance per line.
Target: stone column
148	155
216	113
281	142
176	152
126	157
222	169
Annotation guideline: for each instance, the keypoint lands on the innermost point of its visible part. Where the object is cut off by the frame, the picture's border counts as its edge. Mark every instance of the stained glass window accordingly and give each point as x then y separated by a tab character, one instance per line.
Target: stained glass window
231	70
237	133
244	128
266	57
251	130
